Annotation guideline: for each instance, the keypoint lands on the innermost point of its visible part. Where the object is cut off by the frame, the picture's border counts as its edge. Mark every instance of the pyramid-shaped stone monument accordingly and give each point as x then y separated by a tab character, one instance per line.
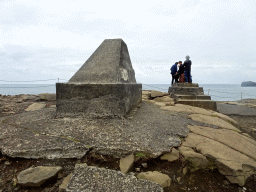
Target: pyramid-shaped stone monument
104	86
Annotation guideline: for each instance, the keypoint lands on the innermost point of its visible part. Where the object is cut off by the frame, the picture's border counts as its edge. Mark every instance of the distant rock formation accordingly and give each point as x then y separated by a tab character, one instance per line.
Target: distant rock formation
248	84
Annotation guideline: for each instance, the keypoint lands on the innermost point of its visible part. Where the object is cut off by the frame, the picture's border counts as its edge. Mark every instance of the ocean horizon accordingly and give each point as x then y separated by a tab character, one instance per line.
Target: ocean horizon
218	92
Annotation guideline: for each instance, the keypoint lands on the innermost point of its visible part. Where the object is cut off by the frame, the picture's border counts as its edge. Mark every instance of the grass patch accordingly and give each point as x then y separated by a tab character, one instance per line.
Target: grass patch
142	155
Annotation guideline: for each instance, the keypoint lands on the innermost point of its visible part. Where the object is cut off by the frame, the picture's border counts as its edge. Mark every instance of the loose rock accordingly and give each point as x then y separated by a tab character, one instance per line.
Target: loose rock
65	183
35	177
126	163
172	156
35	106
157	177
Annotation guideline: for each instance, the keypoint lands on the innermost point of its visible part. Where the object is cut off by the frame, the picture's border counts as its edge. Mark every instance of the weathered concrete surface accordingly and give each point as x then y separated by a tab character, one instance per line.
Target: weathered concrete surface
87	178
19	142
214	121
193	97
236	109
206	104
186	90
38	134
35	177
190	94
157	177
97	100
110	63
104	86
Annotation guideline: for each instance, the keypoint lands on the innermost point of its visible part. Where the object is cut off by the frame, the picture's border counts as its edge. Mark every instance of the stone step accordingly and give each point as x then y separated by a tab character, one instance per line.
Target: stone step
206	104
185	85
186	90
193	97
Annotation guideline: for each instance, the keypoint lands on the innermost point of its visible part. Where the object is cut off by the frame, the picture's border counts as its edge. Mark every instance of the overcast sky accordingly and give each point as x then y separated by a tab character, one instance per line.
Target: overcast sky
53	39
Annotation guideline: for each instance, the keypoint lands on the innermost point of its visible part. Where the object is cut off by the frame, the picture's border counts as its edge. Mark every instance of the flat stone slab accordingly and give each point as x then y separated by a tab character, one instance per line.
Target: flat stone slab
38	134
214	121
198	110
230	138
236	109
88	178
35	106
35	177
236	166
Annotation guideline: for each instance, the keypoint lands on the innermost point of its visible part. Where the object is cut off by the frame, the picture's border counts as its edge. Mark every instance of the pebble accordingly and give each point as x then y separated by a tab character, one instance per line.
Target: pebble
145	165
137	169
7	163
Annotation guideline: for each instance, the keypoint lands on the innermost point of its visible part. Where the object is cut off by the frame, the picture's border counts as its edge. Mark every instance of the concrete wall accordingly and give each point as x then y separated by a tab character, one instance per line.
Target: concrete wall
96	100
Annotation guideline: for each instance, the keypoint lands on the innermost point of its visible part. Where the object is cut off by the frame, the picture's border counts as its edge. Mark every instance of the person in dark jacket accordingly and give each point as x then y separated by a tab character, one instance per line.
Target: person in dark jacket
187	70
173	72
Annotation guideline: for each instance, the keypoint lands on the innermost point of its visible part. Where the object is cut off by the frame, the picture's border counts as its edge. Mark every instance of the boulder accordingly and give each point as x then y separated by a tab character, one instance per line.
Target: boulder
158	94
157	177
47	97
35	106
35	177
172	156
126	163
29	98
146	93
88	178
164	99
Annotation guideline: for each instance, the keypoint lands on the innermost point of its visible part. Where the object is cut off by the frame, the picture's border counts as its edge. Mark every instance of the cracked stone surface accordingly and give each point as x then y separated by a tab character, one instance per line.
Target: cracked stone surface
214	121
87	178
236	166
149	129
230	138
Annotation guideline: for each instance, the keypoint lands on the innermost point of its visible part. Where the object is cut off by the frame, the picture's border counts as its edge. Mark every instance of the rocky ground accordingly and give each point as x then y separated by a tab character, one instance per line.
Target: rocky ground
193	166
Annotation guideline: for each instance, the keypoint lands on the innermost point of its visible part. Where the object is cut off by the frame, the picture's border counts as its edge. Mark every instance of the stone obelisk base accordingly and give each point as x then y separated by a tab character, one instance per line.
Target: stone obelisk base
97	100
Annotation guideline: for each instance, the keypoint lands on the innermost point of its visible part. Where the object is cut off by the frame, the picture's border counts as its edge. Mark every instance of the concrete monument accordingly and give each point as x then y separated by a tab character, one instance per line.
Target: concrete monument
104	86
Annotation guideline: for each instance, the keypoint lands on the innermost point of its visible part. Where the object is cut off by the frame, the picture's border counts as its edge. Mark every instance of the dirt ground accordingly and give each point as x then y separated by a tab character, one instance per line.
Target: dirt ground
201	180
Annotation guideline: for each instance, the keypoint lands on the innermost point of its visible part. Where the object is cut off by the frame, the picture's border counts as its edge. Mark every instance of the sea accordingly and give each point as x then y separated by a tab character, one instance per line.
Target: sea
218	92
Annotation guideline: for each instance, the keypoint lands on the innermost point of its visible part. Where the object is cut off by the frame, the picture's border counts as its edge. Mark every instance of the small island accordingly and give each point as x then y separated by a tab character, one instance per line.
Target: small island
248	84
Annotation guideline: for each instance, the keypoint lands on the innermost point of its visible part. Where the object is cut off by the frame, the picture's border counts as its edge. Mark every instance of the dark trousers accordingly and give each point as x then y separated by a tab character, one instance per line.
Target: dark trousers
188	76
175	77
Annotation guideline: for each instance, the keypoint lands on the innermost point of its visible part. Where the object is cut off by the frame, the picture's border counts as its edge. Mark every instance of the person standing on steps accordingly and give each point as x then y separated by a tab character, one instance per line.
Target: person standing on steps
181	73
173	72
187	70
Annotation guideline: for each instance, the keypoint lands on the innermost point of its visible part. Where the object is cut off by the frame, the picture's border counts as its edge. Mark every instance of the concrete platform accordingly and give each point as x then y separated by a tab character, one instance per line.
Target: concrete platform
185	85
182	90
206	104
193	97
